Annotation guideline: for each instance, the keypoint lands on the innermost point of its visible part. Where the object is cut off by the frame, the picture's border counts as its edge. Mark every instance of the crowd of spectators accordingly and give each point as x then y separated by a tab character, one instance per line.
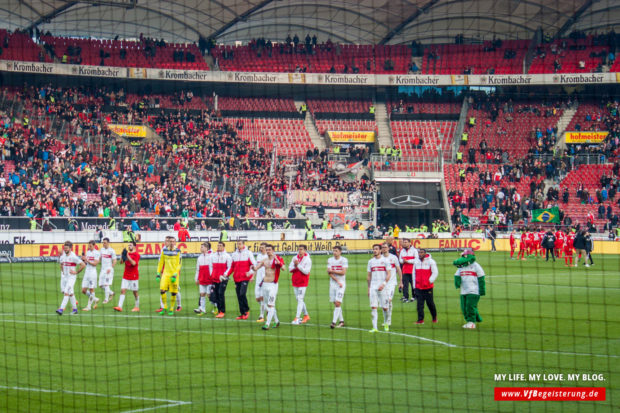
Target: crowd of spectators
199	168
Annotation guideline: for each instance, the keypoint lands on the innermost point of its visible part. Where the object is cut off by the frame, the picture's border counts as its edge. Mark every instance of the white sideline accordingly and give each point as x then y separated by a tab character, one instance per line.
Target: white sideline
169	403
565	353
222	333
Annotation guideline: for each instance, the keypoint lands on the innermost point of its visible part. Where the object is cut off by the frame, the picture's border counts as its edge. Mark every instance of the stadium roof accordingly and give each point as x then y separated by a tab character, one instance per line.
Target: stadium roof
345	21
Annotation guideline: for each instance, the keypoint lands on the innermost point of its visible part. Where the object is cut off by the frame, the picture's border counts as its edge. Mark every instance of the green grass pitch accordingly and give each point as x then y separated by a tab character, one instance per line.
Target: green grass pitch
539	317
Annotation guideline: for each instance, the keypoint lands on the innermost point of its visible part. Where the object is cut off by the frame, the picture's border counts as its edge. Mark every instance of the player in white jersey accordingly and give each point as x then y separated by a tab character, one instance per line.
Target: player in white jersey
269	286
378	277
70	266
106	274
337	270
202	277
89	282
396	277
260	275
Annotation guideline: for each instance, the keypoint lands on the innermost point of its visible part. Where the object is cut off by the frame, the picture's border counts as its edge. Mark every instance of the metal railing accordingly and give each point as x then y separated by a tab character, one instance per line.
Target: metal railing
406	164
574	160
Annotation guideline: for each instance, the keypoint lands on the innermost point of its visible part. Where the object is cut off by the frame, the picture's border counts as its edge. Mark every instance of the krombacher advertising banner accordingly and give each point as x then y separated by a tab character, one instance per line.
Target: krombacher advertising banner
307	78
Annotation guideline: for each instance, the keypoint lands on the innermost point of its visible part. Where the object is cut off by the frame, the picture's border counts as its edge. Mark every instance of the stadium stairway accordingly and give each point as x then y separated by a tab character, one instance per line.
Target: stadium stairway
563	123
317	140
382	120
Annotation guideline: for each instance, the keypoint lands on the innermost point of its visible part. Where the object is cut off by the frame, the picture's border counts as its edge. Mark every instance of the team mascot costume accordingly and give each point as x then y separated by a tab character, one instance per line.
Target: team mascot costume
469	278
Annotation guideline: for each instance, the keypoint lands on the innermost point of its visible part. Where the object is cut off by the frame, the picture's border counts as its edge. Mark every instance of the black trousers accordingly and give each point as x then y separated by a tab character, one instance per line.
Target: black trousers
408	281
241	288
423	296
219	289
590	256
549	251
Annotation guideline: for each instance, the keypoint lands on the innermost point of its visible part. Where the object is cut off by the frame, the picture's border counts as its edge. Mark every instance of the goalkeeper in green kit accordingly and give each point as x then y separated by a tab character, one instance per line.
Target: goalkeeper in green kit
469	278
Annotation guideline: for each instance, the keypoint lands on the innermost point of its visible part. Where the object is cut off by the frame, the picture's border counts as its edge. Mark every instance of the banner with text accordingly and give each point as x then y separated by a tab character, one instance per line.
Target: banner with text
351	136
349	79
50	251
129	131
586	137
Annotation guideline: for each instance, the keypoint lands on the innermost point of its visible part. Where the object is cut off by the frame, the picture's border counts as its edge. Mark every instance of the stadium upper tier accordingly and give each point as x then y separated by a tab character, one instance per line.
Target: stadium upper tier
491	57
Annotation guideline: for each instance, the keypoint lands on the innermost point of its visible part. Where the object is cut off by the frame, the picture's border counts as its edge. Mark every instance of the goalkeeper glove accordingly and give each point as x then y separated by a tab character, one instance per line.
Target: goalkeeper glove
158	277
173	279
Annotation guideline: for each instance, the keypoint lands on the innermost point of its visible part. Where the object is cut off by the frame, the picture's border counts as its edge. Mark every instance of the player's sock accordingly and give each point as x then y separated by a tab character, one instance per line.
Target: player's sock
389	319
275	316
65	299
305	309
106	291
121	300
73	301
173	302
337	312
340	315
300	308
262	309
373	312
386	316
512	253
178	299
162	300
201	304
138	302
270	314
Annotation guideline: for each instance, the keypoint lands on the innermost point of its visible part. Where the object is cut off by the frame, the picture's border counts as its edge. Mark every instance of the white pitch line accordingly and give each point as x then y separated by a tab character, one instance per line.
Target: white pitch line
169	403
430	340
305	338
583	287
222	333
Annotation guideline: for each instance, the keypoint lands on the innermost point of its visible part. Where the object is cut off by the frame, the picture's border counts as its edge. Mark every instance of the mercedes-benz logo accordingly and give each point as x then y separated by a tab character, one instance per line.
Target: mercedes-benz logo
409	201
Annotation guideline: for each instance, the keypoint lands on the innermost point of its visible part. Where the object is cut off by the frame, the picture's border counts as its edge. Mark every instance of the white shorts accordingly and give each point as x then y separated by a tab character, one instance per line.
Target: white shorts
270	291
89	281
377	298
258	291
336	292
106	278
131	285
67	284
205	289
389	290
300	292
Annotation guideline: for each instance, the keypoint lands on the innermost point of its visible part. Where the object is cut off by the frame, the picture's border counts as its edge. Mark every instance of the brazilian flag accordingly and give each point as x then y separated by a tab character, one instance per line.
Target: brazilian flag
546	215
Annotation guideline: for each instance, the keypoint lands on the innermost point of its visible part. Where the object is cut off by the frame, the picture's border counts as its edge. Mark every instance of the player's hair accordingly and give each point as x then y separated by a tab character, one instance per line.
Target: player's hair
376	245
406	239
207	244
304	246
264	244
241	241
221	243
133	243
68	244
92	242
170	237
269	246
106	239
338	247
